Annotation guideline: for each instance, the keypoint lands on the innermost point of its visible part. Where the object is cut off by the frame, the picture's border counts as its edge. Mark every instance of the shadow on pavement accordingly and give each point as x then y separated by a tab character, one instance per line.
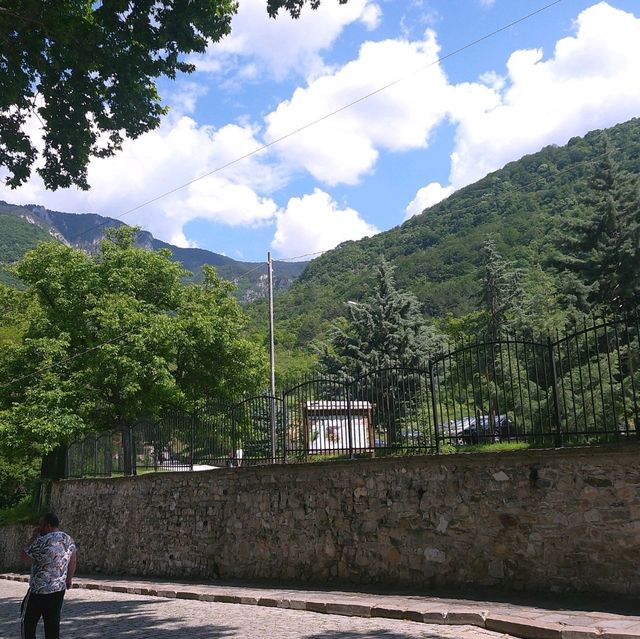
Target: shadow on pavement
367	634
98	620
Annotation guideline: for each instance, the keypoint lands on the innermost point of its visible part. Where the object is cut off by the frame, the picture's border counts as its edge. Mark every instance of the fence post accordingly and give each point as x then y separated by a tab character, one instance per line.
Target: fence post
192	437
234	431
128	450
272	411
434	406
108	456
556	401
285	428
349	421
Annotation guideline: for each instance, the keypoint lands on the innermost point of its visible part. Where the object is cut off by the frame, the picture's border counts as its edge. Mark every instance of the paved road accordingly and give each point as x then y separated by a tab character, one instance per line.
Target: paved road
91	614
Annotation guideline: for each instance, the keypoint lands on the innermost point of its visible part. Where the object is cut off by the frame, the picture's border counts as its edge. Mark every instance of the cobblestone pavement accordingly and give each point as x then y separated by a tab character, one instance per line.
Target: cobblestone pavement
93	614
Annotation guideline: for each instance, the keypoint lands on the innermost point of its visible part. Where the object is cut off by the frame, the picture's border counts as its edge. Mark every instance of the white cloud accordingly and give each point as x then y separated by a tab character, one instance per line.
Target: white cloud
590	82
314	223
221	200
184	95
161	160
427	196
284	45
342	148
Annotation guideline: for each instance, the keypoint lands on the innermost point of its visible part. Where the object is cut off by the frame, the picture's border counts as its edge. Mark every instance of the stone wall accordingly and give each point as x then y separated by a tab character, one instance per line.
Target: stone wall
560	520
12	539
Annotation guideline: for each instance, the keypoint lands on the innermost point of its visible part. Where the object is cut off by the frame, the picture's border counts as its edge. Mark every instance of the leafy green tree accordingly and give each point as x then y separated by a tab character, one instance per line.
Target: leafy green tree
385	330
113	337
87	71
599	245
541	309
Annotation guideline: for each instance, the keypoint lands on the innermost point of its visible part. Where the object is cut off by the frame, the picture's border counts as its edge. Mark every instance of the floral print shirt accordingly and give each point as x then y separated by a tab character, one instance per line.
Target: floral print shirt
50	554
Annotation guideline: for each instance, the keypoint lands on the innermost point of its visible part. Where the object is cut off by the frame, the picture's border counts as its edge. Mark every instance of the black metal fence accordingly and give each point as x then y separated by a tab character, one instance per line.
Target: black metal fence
580	388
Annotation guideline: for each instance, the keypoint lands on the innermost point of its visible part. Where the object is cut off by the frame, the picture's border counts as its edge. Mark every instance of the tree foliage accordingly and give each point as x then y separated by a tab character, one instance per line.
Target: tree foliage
439	255
113	337
87	70
500	290
598	247
294	7
386	329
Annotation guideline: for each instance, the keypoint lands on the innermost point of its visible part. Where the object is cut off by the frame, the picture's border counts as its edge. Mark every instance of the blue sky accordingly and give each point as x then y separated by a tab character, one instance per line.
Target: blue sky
441	125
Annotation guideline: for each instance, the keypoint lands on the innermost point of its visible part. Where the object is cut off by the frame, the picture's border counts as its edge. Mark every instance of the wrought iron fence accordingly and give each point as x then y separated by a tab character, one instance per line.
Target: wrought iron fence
580	388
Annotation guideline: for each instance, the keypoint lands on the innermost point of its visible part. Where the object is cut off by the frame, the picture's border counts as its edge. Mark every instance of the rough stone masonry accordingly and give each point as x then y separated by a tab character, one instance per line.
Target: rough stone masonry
565	520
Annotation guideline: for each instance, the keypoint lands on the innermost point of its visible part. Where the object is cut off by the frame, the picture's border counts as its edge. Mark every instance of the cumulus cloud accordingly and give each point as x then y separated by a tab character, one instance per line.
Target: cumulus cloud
590	82
161	160
427	196
344	147
314	223
284	45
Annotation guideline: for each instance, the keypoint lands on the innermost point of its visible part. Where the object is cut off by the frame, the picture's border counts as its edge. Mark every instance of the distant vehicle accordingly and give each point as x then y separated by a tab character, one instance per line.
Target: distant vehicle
472	430
453	432
480	432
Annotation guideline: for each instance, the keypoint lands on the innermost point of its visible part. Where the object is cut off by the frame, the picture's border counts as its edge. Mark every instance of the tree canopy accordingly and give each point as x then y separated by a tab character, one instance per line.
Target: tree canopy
87	70
386	329
598	248
116	336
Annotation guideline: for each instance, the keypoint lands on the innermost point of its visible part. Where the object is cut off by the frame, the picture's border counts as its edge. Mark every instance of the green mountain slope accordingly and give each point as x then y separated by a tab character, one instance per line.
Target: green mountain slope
17	236
438	254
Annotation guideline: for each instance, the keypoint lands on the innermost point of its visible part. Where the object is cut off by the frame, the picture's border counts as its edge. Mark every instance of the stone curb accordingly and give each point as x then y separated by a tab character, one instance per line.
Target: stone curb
508	624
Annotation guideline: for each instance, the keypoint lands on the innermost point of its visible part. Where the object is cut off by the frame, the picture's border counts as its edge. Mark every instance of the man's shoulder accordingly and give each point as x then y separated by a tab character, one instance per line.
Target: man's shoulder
59	536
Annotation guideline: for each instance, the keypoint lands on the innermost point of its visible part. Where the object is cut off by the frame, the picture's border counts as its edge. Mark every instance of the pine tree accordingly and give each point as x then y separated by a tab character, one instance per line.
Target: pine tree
386	330
501	293
501	297
387	337
599	248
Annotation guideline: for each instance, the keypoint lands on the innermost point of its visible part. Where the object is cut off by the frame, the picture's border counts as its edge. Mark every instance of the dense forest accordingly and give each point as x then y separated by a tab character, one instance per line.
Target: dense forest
440	255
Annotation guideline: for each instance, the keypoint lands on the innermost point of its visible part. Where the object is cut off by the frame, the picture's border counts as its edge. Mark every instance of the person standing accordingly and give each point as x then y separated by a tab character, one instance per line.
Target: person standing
53	559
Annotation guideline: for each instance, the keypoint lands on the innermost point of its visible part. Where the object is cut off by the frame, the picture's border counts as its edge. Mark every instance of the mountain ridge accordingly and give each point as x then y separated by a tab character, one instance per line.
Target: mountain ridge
86	230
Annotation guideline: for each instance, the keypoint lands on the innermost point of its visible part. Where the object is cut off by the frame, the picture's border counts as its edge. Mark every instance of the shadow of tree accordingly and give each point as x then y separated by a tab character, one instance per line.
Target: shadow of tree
95	619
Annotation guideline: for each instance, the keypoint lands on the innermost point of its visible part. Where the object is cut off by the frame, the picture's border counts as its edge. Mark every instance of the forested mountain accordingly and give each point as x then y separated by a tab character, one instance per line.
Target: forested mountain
22	227
439	255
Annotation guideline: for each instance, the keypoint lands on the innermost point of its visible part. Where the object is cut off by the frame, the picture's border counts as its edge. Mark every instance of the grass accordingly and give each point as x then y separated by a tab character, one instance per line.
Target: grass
445	449
485	448
24	512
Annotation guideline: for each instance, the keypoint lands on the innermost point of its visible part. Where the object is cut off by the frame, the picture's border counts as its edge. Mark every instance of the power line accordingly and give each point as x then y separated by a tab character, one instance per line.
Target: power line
267	146
261	265
299	257
326	116
44	369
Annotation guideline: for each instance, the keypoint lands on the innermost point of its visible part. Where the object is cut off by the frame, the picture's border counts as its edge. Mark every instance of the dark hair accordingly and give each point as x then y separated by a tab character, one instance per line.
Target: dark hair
51	519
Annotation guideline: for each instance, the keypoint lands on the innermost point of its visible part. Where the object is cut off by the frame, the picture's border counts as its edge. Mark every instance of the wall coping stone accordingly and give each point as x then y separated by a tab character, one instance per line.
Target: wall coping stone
527	455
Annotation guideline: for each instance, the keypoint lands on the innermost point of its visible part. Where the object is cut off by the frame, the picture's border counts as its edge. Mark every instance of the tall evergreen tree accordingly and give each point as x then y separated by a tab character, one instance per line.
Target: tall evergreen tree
501	293
385	330
599	246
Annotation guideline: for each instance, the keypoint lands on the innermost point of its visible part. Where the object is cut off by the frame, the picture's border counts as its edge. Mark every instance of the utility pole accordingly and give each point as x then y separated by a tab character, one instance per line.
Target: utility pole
272	360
